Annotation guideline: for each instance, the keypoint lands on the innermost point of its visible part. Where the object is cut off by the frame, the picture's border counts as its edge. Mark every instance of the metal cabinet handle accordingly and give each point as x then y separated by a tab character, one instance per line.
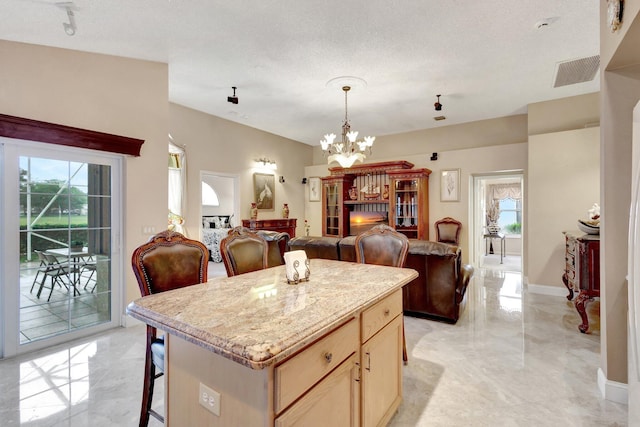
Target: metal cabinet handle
328	357
368	368
386	312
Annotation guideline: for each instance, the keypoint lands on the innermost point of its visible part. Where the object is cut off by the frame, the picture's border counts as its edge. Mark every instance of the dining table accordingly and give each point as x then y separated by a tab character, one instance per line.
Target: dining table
76	259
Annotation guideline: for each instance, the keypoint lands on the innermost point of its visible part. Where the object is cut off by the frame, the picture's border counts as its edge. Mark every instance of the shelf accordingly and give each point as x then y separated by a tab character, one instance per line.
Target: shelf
366	202
407	201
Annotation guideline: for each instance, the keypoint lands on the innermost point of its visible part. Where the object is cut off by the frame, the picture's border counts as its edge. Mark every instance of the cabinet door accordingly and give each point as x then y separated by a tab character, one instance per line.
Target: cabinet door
405	218
332	207
382	374
409	204
334	401
334	212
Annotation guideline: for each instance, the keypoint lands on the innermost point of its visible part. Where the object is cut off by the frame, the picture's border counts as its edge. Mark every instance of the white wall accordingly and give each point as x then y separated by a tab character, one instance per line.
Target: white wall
102	93
564	174
225	147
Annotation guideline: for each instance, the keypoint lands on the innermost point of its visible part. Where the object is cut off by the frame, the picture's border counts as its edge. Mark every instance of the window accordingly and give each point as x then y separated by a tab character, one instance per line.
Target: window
209	196
510	219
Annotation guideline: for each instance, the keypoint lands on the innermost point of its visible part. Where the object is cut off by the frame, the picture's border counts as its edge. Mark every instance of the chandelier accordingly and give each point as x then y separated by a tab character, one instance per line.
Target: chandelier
349	150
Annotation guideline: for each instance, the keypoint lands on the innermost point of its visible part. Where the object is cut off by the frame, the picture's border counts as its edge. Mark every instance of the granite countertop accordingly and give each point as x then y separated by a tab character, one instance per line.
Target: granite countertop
258	319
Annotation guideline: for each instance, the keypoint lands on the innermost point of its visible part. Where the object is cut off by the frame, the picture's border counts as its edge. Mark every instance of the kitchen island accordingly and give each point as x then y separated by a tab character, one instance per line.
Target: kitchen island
322	352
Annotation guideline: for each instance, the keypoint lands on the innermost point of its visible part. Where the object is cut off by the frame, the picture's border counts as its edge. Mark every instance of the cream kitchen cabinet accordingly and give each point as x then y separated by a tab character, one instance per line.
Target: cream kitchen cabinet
323	352
381	365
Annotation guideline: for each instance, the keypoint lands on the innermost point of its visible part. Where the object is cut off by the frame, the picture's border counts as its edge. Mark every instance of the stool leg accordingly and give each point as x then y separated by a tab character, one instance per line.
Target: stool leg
149	374
405	358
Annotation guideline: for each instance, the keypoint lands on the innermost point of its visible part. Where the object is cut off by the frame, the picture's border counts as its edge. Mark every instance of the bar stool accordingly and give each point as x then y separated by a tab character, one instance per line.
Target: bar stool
168	261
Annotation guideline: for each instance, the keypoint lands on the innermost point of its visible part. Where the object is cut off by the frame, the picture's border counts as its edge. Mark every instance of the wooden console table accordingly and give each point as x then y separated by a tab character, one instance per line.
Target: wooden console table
582	271
287	225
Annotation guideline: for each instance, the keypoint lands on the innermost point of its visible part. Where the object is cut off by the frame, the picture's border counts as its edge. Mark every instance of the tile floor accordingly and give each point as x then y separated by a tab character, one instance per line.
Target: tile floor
60	310
513	359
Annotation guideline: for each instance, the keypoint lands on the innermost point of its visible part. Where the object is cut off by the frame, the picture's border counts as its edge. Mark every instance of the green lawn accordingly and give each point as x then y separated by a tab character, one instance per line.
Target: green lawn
57	221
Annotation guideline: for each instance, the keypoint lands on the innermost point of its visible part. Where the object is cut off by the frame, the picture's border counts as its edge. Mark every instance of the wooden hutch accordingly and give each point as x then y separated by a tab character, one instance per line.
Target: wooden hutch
392	193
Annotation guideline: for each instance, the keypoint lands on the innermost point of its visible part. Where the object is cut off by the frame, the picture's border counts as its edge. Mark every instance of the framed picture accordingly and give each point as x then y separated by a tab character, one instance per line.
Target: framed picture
264	190
314	189
450	185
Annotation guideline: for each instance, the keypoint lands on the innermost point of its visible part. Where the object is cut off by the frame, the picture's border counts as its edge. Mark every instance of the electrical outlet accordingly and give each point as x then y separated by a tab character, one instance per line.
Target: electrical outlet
210	399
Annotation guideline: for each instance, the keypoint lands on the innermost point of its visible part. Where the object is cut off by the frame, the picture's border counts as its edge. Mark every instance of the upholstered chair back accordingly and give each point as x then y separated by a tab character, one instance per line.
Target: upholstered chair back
277	242
448	231
169	261
382	245
243	251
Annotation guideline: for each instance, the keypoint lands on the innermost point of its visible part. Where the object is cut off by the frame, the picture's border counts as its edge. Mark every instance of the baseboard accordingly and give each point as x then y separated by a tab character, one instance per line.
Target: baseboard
547	290
128	321
612	390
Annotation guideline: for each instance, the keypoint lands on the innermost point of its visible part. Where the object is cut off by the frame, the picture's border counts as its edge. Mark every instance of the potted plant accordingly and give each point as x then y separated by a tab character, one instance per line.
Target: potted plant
76	245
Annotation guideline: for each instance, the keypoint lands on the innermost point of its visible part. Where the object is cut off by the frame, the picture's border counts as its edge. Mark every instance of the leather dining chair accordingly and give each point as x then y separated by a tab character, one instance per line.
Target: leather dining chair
448	231
382	245
277	242
243	251
168	261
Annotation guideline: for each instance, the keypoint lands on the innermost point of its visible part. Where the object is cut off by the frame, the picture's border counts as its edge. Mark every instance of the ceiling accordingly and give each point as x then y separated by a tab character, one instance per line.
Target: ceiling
486	58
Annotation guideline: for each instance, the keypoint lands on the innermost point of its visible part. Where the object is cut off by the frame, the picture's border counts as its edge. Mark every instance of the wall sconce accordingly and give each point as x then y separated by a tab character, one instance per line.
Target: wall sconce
304	180
281	179
266	163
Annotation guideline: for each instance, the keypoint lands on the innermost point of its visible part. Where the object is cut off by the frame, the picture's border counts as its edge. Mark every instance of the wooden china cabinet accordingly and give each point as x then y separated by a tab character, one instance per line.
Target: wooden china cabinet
392	193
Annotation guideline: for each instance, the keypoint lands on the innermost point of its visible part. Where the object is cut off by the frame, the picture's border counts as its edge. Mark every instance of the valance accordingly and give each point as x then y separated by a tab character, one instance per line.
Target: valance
504	191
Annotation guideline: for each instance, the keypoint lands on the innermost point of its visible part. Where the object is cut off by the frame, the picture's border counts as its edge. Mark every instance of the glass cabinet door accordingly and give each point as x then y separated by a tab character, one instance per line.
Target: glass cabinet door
406	214
332	209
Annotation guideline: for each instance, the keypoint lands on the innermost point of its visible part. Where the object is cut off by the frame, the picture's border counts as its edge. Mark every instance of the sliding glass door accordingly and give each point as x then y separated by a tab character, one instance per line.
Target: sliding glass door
59	224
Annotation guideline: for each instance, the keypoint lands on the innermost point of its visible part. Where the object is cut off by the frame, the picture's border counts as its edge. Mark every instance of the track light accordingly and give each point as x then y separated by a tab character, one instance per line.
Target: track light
69	27
437	104
233	99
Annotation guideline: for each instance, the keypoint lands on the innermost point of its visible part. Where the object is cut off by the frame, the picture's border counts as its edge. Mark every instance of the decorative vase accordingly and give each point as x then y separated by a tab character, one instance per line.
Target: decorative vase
285	211
385	192
353	193
493	228
254	211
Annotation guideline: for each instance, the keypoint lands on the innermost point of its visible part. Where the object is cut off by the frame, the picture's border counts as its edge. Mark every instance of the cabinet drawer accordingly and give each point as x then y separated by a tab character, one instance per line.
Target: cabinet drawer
377	316
299	373
334	401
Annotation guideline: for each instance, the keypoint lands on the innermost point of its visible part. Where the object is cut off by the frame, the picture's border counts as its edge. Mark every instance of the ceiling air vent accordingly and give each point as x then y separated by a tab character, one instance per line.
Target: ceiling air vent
576	71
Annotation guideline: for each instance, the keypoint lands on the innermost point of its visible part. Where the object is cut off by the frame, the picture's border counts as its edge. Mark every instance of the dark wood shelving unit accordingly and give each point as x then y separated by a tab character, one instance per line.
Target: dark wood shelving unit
371	191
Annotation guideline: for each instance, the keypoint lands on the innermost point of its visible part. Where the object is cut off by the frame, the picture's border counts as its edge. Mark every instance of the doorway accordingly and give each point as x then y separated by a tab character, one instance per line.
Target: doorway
61	212
497	221
220	208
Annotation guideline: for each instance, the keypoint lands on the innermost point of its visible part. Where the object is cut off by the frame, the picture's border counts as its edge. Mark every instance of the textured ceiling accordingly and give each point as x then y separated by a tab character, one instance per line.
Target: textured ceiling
486	58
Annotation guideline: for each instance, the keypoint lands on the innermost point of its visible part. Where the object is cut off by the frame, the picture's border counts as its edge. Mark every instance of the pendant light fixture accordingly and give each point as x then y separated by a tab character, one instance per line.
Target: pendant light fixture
349	150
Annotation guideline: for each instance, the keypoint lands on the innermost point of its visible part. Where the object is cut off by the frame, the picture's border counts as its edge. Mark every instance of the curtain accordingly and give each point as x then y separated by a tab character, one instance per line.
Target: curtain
497	192
504	191
177	186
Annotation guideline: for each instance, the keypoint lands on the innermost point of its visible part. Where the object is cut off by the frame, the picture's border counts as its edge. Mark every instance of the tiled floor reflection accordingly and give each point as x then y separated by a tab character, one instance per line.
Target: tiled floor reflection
513	359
